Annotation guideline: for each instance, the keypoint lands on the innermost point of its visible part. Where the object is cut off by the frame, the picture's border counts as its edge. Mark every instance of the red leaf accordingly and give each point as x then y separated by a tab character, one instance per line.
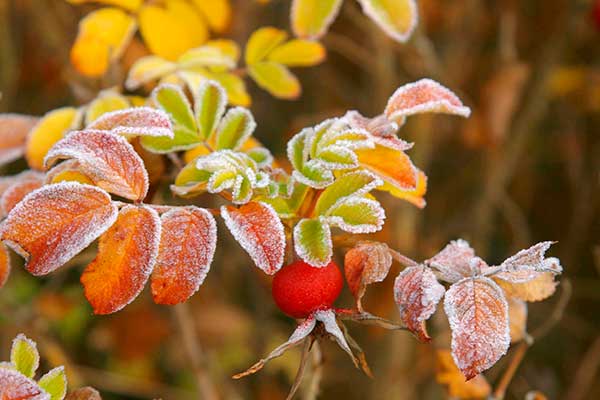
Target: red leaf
417	293
54	223
478	315
364	264
258	229
137	121
456	261
187	246
126	255
13	134
17	191
16	386
107	159
4	264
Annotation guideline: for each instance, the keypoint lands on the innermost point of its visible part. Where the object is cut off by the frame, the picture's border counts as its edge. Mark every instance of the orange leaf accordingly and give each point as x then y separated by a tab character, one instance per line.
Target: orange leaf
537	289
17	191
258	229
13	134
16	386
107	159
448	374
126	255
414	196
180	270
4	264
478	315
417	293
364	264
54	223
391	165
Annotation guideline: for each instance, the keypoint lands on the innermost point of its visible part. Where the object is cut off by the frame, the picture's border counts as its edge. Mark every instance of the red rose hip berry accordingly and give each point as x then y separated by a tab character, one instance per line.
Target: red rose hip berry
300	289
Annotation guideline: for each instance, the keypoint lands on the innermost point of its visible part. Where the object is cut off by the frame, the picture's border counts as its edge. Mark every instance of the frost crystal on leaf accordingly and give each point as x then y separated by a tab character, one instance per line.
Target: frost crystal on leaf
456	261
417	293
478	314
312	242
15	386
17	191
137	121
13	134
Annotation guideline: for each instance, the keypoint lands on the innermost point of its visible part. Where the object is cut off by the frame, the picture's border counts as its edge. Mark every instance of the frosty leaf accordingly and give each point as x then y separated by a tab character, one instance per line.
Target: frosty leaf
312	242
49	130
276	79
539	288
424	96
302	331
455	261
393	166
417	293
298	53
84	393
366	263
126	255
17	191
261	156
24	355
4	264
262	42
352	184
327	317
258	229
517	318
531	259
297	149
15	386
70	171
109	160
106	101
478	314
209	105
356	215
311	18
148	69
136	121
13	133
234	129
55	383
414	196
397	18
187	246
56	222
448	374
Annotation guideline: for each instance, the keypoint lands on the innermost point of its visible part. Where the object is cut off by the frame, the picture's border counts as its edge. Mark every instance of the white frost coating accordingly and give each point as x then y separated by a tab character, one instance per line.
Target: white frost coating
259	232
14	356
51	376
303	244
249	125
108	159
327	317
531	258
184	100
296	148
454	262
374	11
335	9
261	156
14	385
372	182
375	212
325	157
11	195
478	314
42	216
327	179
135	121
424	96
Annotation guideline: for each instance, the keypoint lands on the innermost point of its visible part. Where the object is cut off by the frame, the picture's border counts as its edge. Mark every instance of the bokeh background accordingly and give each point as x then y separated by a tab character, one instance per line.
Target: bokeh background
524	168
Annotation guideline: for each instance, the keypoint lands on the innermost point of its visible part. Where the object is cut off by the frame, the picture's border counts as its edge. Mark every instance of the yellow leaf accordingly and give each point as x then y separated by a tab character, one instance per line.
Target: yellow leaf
414	196
106	102
147	69
311	18
216	12
49	130
262	42
398	18
234	86
298	53
130	5
449	375
275	79
391	165
102	37
196	152
172	30
228	47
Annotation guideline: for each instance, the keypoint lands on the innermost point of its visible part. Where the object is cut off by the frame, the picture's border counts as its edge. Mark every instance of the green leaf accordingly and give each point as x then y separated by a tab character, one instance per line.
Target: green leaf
357	215
398	18
261	156
190	180
183	139
210	102
314	175
312	241
337	157
173	101
24	355
296	148
275	79
55	383
234	129
351	184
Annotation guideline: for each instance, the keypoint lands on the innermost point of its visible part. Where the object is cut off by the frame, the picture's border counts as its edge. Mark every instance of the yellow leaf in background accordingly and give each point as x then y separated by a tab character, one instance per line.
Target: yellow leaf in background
102	37
398	18
567	79
235	88
205	56
262	42
216	12
49	130
414	196
449	375
275	79
172	30
137	101
105	102
298	53
130	5
227	47
311	18
147	69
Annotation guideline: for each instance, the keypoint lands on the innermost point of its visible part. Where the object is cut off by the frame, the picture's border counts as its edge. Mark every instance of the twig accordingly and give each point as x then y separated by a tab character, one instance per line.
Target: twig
302	368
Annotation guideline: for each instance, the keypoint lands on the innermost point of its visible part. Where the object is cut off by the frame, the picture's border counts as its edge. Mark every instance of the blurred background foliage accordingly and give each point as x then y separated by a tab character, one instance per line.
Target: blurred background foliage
524	168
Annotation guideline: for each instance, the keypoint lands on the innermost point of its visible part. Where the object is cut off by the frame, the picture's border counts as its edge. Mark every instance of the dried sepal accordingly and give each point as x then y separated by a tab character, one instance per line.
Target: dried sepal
16	386
328	318
456	261
478	314
417	293
4	264
312	241
108	159
56	222
366	263
136	121
126	256
449	375
398	19
13	134
424	96
258	229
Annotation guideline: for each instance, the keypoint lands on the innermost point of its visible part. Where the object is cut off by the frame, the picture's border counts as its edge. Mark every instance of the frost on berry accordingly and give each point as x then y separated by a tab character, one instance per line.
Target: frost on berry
137	121
456	261
17	191
258	229
15	386
478	314
303	329
13	135
107	159
56	222
126	256
187	246
417	293
4	264
424	96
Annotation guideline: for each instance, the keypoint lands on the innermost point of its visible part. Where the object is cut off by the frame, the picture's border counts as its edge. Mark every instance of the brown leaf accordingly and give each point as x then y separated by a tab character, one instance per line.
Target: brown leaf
84	393
366	263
